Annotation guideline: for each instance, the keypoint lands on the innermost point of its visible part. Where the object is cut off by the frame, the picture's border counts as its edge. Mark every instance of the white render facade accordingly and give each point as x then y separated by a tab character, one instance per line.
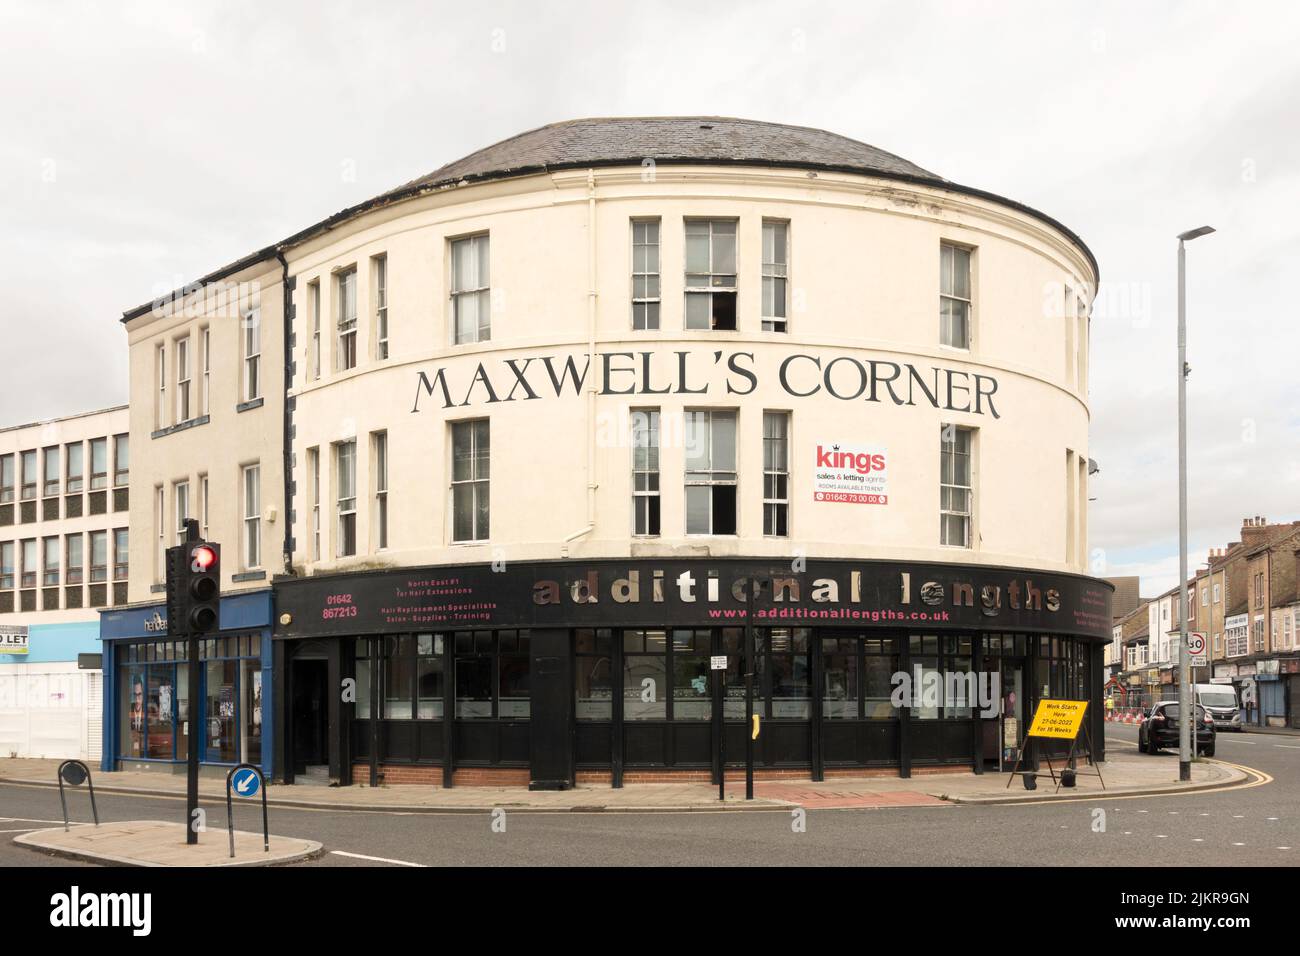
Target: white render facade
862	279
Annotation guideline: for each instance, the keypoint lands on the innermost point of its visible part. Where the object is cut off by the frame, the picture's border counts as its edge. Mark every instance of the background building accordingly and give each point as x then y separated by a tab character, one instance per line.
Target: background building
551	407
64	554
207	408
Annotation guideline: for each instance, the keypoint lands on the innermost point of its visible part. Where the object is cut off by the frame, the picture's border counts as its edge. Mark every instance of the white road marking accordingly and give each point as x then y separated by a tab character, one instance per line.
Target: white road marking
1239	844
1286	747
1197	840
376	859
35	820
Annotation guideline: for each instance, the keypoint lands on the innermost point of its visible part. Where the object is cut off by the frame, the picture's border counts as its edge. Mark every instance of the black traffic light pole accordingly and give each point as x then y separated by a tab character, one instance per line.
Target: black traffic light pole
193	609
196	734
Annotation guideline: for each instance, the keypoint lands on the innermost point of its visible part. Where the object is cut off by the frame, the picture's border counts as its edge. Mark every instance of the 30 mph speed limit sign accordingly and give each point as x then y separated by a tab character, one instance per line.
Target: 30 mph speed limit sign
1196	649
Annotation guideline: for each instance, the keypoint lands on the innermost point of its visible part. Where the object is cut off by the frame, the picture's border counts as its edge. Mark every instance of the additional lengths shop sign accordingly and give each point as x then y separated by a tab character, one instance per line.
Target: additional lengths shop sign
854	474
13	638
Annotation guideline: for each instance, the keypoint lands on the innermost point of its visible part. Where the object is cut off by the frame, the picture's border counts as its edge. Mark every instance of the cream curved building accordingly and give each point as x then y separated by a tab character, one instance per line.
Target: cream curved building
563	415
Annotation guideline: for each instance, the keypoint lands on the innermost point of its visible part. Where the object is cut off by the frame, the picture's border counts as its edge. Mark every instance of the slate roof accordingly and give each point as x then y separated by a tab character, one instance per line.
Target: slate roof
624	141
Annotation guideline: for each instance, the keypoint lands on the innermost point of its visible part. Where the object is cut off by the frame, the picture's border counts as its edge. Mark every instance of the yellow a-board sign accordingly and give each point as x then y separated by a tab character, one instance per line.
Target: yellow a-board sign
1058	718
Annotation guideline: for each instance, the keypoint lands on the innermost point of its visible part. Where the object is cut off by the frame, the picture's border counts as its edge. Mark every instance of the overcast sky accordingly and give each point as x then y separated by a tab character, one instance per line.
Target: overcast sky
145	144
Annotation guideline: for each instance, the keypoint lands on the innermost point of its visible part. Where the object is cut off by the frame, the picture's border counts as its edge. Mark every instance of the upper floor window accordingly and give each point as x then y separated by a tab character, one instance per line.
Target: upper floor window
955	488
30	477
776	272
471	451
1216	593
50	564
75	566
380	272
121	554
645	274
345	294
160	366
252	354
252	511
203	506
645	471
29	570
6	565
471	290
776	474
379	449
182	380
313	482
98	556
954	296
76	467
205	347
313	304
710	472
160	534
121	460
98	463
711	274
181	497
7	479
51	472
345	460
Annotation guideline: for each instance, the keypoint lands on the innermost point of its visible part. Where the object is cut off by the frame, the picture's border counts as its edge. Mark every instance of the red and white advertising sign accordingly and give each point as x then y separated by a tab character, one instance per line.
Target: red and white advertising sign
854	474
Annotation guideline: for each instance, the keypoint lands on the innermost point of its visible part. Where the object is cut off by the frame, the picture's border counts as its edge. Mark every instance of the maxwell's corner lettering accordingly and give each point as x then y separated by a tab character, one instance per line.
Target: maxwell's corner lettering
843	378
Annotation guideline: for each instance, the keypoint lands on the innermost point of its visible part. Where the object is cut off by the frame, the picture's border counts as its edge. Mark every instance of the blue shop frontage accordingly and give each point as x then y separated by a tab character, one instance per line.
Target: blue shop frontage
149	720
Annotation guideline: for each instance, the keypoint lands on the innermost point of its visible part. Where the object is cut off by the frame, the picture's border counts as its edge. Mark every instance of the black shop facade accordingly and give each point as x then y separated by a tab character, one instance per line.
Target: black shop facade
552	673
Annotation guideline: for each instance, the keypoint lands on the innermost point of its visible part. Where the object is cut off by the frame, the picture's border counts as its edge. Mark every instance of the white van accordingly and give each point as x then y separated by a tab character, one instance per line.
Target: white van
1220	702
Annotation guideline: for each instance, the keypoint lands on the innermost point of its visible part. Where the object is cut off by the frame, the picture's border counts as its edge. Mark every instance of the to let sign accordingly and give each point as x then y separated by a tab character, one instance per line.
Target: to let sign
1058	718
13	639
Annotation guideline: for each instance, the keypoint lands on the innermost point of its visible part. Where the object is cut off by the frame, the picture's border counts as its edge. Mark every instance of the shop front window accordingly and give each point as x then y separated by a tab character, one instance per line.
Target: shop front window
133	712
399	667
492	675
645	675
733	645
593	674
222	728
691	697
941	677
791	688
512	670
429	676
363	678
839	677
161	710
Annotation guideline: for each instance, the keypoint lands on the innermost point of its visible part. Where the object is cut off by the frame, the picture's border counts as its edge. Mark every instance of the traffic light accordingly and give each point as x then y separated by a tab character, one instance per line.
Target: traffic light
193	588
204	587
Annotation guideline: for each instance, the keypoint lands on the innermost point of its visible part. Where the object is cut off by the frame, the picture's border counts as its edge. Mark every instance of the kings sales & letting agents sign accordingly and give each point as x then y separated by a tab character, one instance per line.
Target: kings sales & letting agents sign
853	474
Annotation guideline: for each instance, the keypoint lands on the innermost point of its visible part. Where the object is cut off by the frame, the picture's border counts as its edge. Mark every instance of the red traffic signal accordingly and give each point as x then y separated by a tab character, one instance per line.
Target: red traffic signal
202	558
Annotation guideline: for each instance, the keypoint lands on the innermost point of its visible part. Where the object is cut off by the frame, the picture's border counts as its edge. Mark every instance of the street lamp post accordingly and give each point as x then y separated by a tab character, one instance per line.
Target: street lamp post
1186	706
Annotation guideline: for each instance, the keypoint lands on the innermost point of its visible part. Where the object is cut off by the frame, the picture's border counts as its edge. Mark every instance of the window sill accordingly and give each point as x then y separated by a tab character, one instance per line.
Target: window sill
249	405
248	576
157	589
182	426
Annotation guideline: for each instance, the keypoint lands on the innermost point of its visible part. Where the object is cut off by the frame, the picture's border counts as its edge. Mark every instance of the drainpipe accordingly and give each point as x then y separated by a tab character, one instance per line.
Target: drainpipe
287	424
591	363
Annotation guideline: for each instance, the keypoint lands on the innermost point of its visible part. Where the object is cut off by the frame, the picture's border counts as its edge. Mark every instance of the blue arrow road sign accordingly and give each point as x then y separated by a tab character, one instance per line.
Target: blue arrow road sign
246	783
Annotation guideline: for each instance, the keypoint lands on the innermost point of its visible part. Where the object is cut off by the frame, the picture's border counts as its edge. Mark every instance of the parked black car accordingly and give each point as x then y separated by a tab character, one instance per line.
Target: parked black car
1159	728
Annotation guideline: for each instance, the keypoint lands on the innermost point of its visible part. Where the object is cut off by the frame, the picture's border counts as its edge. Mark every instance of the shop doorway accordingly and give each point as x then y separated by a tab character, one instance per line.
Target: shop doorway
1002	734
310	719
